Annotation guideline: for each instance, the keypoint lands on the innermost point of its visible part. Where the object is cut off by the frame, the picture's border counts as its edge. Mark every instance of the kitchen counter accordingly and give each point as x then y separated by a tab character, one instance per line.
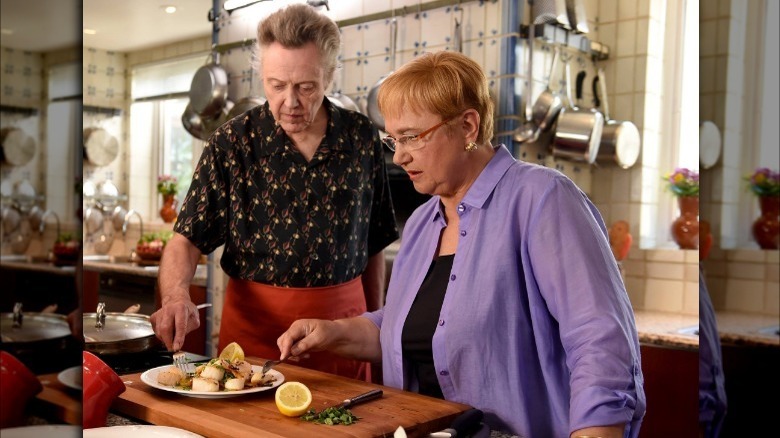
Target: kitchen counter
663	329
31	264
132	268
748	329
257	415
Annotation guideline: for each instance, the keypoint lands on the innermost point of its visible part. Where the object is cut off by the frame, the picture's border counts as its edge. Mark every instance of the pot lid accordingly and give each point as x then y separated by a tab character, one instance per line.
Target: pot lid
100	147
35	327
709	144
117	327
18	148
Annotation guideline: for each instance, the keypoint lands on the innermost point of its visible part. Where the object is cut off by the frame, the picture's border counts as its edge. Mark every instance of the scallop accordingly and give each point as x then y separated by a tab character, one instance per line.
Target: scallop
201	384
169	376
244	368
212	372
234	384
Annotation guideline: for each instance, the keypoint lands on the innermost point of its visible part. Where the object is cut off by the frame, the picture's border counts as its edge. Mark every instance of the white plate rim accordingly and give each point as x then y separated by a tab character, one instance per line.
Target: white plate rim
129	430
150	378
67	378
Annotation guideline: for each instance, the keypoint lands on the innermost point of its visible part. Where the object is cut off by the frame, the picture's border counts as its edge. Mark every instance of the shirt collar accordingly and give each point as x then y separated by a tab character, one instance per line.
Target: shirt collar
486	182
275	138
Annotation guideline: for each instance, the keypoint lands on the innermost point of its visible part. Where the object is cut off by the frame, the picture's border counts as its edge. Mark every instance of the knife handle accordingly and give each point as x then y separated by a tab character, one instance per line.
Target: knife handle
370	395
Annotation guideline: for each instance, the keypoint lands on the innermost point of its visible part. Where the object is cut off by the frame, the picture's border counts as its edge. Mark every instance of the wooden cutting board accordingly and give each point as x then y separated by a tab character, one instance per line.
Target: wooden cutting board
255	415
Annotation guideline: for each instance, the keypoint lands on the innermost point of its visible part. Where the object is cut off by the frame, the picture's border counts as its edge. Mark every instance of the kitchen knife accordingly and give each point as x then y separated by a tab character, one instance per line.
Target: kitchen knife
461	426
370	395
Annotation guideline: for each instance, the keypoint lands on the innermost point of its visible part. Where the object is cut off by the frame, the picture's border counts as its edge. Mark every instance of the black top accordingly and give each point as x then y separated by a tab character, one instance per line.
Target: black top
421	323
285	221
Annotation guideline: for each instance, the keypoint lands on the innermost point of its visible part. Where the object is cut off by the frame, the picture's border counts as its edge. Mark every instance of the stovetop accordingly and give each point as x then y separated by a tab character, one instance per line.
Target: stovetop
137	362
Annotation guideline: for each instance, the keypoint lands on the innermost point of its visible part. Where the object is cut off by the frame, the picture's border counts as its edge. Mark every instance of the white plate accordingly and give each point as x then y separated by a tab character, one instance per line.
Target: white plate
71	377
150	378
43	430
137	430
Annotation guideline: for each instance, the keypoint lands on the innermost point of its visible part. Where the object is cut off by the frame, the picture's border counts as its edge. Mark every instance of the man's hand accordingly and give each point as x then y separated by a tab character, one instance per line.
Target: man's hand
174	320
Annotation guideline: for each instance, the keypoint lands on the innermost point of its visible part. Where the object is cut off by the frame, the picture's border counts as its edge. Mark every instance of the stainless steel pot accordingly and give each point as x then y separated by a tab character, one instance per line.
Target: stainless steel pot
209	89
373	105
248	102
578	133
211	124
36	332
549	104
620	139
192	123
121	333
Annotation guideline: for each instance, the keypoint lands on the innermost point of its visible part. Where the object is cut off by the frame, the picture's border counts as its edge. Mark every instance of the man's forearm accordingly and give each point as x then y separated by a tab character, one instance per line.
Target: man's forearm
374	282
177	267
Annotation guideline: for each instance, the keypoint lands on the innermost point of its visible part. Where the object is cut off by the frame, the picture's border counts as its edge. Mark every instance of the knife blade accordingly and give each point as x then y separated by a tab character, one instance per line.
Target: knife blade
461	426
370	395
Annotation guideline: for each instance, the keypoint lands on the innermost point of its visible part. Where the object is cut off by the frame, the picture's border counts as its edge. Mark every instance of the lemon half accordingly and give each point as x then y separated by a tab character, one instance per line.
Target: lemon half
293	399
232	352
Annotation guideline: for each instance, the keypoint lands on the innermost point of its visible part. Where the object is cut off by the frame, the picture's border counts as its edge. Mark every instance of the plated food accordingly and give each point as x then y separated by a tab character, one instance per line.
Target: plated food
272	379
228	374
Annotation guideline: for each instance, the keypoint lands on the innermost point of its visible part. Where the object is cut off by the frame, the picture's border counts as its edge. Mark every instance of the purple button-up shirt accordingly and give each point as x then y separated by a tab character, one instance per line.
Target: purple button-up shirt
536	328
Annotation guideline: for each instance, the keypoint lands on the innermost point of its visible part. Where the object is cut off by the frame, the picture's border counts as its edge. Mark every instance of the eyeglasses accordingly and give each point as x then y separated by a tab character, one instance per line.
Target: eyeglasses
411	142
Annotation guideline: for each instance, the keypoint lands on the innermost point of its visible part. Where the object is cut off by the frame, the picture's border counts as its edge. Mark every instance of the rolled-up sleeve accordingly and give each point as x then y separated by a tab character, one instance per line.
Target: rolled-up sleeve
578	278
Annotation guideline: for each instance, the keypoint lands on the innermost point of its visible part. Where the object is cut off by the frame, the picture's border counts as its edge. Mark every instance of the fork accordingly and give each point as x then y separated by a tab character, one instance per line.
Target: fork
180	361
268	365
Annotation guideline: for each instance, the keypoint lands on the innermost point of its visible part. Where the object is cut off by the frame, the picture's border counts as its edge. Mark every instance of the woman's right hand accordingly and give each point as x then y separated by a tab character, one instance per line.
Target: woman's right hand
306	334
174	320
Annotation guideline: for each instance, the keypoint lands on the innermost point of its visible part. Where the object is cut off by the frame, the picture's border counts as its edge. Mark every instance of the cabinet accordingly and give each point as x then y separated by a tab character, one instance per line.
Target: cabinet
36	289
752	388
672	390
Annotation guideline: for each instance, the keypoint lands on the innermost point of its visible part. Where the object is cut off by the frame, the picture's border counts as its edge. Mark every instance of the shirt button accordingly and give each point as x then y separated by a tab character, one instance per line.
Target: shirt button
444	373
463	232
453	277
441	322
461	208
315	256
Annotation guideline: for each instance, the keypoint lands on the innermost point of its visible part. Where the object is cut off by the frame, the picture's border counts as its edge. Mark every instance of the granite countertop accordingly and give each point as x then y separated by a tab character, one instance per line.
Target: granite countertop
200	278
748	329
39	266
660	328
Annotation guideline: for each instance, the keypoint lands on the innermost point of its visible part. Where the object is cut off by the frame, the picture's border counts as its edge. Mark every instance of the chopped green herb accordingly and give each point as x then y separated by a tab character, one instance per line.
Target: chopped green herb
331	416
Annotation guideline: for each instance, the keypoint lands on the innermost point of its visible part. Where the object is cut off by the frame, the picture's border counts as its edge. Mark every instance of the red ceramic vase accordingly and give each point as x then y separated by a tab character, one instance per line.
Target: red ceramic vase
17	385
685	229
101	386
766	229
168	210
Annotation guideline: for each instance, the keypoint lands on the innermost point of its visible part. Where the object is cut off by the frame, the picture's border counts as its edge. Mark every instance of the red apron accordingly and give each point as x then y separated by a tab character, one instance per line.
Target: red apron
255	315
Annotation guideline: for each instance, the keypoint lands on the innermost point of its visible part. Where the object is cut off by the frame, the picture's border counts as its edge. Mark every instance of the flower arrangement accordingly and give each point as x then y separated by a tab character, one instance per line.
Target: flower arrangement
764	182
166	185
683	182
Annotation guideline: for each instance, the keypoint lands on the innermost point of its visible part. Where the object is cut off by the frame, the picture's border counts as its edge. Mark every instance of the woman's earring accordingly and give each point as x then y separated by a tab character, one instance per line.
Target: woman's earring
471	147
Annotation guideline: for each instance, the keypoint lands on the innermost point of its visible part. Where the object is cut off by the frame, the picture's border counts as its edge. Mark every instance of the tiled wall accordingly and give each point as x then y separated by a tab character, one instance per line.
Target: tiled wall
664	280
744	280
106	84
24	79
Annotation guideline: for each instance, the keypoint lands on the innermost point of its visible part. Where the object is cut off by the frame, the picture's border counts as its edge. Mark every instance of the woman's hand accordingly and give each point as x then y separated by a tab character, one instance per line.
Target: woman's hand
304	335
355	338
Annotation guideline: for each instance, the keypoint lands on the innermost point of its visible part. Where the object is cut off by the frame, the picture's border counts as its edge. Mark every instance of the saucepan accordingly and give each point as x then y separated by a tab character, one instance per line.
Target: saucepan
118	332
248	102
30	332
578	134
209	88
549	104
620	140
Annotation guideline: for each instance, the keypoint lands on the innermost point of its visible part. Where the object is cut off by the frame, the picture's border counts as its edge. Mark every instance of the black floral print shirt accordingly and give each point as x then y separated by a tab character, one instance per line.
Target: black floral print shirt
285	221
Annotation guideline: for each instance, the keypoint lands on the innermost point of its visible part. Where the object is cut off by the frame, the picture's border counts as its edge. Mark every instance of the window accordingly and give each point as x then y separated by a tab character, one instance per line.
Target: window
159	142
679	122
